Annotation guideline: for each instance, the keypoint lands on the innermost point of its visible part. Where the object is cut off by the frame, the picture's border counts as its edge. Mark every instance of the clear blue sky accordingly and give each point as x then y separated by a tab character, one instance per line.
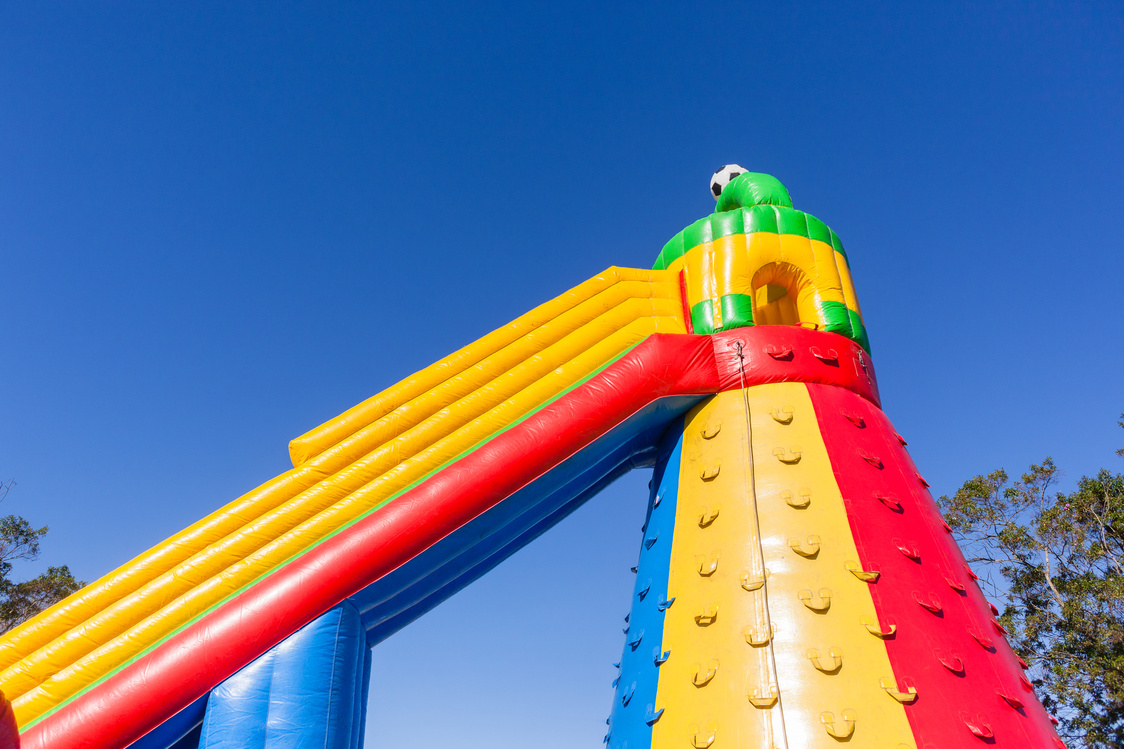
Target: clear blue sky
221	226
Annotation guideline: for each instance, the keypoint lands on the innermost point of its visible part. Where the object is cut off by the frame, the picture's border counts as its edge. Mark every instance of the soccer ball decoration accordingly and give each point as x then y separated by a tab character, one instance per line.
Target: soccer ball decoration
723	177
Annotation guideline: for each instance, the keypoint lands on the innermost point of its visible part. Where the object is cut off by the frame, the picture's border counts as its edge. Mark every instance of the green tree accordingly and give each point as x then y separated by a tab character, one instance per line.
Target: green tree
1054	561
23	600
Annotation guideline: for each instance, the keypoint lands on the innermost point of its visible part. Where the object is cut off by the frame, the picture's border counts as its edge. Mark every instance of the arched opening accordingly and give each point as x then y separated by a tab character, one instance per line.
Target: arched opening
782	295
773	305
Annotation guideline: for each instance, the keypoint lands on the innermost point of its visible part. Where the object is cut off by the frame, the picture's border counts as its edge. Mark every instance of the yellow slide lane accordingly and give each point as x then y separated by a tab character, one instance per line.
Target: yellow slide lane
623	283
343	469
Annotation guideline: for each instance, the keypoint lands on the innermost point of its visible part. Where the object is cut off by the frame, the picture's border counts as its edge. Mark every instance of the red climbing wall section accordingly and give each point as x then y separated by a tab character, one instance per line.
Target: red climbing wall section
945	643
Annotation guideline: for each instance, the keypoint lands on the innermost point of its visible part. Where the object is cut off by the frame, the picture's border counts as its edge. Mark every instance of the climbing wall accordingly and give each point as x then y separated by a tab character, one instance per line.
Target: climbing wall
796	587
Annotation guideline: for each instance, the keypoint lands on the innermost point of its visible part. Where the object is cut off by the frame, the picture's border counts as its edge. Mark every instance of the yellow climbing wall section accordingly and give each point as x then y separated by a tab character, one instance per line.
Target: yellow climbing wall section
773	635
718	684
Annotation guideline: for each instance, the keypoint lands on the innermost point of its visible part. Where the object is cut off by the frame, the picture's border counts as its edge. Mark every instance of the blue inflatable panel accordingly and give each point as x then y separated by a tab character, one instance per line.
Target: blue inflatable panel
634	711
181	731
308	691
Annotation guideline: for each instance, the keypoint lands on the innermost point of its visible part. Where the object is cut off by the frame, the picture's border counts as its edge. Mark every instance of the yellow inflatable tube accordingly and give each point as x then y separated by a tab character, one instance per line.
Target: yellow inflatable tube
638	284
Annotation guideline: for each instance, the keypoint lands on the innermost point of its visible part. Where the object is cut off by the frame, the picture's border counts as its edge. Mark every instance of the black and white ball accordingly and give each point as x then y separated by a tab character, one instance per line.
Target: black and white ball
723	177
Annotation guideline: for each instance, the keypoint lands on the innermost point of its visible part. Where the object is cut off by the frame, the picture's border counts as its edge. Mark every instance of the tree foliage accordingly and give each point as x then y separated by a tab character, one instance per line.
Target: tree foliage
22	600
1056	562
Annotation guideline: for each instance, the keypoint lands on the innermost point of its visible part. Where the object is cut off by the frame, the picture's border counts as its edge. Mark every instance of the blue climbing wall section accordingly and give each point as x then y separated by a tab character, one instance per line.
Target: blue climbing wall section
309	691
634	712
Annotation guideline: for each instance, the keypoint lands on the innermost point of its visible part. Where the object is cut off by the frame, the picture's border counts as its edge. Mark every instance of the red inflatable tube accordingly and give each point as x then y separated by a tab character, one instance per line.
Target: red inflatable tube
9	733
141	696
